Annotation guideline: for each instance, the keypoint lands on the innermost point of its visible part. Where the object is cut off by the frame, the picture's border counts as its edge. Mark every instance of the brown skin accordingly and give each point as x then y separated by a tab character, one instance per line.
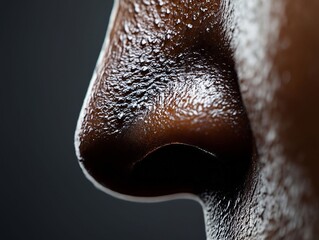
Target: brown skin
298	97
165	82
168	81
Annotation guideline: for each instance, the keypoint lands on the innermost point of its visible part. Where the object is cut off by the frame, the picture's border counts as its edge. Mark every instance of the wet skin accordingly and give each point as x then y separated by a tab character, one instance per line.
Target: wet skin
215	99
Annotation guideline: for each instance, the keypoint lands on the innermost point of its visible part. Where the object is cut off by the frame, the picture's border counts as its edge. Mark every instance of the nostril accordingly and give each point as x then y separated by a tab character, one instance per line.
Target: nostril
180	168
170	168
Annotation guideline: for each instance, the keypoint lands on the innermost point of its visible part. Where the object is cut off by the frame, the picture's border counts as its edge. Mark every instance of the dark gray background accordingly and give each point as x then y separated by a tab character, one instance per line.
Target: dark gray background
48	52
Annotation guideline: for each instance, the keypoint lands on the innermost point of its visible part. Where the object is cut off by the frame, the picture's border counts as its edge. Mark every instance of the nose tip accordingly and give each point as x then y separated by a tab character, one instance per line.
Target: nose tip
190	136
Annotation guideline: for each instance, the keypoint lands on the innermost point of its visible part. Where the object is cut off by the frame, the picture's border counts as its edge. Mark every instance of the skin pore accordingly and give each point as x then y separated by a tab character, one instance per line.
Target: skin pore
215	99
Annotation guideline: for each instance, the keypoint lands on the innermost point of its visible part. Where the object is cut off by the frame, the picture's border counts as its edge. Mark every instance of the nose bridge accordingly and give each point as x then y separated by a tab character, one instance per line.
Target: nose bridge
147	95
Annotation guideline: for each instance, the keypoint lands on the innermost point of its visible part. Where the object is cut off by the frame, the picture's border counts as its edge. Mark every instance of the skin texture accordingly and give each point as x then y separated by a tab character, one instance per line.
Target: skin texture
215	99
163	83
278	82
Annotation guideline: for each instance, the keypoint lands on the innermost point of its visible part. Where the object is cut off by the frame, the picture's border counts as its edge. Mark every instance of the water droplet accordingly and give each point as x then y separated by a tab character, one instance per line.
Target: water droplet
143	42
189	25
161	2
157	21
144	69
133	68
203	9
141	59
150	40
120	115
136	8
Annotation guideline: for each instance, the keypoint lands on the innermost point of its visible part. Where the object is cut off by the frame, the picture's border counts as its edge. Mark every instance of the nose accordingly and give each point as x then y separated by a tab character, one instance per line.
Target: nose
164	114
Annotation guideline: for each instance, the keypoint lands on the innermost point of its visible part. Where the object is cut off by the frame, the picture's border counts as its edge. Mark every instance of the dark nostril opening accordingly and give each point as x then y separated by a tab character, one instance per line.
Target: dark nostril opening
180	168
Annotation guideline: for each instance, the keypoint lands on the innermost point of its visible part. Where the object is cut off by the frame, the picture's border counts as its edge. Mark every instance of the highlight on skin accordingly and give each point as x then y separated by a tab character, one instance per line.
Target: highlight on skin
164	115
